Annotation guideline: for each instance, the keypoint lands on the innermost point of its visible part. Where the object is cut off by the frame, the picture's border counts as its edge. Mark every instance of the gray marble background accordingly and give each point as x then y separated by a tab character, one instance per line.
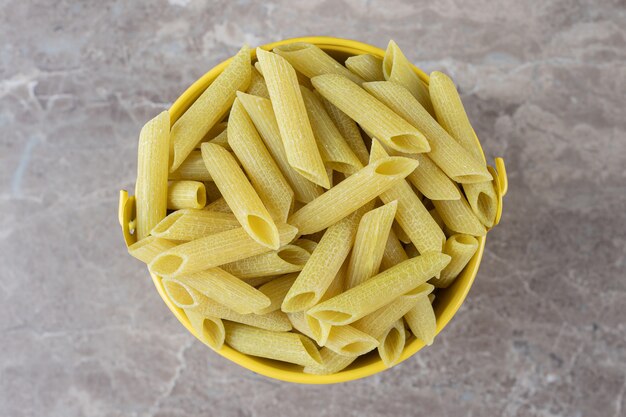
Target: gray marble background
84	333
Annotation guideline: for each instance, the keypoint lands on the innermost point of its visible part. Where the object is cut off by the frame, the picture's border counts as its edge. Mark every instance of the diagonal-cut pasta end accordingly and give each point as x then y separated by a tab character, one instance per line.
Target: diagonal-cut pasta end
360	347
392	344
396	166
473	178
180	294
320	330
388	60
332	317
296	302
210	329
263	231
167	265
311	349
410	143
293	47
319	178
160	230
294	255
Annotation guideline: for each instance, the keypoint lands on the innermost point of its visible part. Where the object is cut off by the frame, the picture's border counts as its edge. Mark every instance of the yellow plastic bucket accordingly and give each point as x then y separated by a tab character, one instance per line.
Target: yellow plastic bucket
446	304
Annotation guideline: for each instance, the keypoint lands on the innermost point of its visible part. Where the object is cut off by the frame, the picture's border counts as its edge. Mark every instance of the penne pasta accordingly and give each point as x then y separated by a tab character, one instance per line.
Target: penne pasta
219	205
306	244
214	132
400	233
394	252
451	114
324	264
366	66
149	247
257	85
276	290
348	341
379	290
311	61
331	363
258	281
214	250
412	216
333	148
351	193
459	217
430	180
269	183
282	346
293	123
369	244
274	321
348	130
398	69
483	200
186	195
262	115
222	140
422	321
461	249
451	157
302	79
240	195
287	259
227	289
181	295
209	108
192	169
391	345
190	224
151	186
209	329
371	114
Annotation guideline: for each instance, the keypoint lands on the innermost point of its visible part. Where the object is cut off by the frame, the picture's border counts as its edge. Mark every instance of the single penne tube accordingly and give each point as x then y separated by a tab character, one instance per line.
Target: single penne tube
369	244
366	66
281	346
378	322
306	244
394	252
276	321
411	215
209	108
371	114
276	290
214	132
149	247
181	295
190	224
192	168
331	363
422	321
333	148
311	61
186	195
451	113
391	344
293	123
227	289
269	183
214	250
258	281
351	193
348	129
379	290
461	249
483	200
152	163
452	158
398	69
262	114
241	197
219	205
324	264
459	217
430	180
257	85
287	259
209	329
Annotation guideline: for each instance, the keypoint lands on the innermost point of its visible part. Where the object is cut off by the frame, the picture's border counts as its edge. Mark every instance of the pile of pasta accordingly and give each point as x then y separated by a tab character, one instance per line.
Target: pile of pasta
305	211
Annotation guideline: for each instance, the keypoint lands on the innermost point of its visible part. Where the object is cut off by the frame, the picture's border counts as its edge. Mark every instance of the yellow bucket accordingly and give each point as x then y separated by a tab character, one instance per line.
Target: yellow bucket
446	304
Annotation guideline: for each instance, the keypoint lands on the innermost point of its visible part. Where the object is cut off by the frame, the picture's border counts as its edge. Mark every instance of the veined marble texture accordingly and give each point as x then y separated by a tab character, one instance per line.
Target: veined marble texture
83	331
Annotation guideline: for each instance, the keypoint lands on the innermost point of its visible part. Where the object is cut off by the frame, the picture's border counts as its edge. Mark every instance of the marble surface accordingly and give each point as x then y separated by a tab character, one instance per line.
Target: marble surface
84	333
